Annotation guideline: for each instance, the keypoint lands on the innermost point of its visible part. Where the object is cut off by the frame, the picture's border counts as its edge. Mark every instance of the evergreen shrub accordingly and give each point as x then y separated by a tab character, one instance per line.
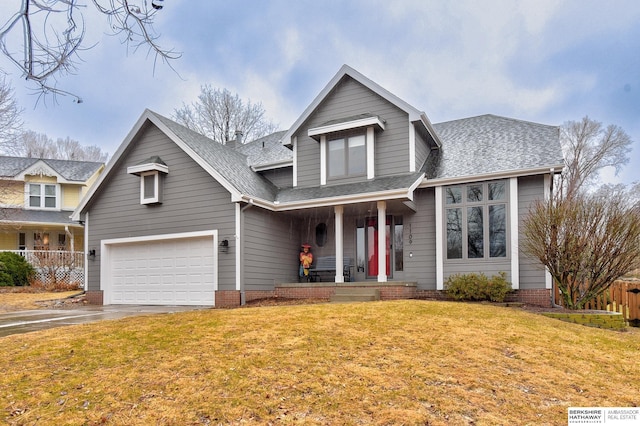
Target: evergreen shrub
15	270
478	287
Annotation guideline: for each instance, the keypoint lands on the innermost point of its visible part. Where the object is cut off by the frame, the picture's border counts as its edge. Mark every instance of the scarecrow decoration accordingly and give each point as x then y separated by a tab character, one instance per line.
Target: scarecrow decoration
306	259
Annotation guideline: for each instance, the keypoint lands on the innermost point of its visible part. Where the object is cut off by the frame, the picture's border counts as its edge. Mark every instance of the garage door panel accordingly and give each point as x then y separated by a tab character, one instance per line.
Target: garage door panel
178	271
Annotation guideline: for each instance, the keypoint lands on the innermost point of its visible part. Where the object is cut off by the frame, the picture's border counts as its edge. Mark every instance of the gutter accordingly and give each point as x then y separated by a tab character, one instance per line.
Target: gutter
428	183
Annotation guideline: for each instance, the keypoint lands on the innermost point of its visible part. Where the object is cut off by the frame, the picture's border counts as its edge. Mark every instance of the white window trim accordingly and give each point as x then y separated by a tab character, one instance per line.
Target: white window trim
149	169
369	143
514	232
323	160
347	125
27	196
156	187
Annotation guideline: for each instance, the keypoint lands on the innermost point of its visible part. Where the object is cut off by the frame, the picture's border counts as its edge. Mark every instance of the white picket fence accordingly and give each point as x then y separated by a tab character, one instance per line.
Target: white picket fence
56	266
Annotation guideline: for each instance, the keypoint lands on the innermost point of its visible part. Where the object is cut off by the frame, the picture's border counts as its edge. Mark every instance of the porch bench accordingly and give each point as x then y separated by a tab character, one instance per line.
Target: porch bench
326	264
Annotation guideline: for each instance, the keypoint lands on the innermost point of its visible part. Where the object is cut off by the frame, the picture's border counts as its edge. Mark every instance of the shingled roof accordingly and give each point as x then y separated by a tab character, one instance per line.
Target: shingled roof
75	171
489	144
228	162
266	151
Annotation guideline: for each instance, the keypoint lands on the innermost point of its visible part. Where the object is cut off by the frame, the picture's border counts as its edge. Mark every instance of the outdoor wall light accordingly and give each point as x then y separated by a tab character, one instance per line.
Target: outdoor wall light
92	254
224	246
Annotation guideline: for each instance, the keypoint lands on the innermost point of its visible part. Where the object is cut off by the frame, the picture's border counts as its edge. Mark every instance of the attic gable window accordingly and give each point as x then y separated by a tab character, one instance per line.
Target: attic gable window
347	146
151	173
43	196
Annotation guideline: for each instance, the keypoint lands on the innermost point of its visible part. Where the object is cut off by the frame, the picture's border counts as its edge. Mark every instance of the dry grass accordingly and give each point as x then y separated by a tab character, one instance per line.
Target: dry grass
16	300
403	362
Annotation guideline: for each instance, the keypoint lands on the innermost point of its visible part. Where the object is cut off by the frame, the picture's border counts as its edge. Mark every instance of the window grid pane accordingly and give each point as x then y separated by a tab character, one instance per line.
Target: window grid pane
336	158
497	191
454	233
149	186
357	155
497	230
475	232
474	193
50	202
454	195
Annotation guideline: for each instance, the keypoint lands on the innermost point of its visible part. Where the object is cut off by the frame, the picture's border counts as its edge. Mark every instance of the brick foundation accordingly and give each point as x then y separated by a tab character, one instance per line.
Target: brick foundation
388	291
227	298
537	297
94	297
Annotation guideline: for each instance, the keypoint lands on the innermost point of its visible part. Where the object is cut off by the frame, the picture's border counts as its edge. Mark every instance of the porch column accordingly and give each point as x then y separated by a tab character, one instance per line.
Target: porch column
339	212
382	241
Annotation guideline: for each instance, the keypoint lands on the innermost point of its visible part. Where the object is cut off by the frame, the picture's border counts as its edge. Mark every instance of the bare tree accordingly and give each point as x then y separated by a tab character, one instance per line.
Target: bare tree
218	114
39	145
43	37
587	236
588	148
10	121
585	241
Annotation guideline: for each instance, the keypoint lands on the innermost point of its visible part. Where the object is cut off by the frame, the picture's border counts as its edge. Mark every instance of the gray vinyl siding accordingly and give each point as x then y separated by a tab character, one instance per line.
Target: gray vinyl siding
349	98
422	150
281	177
270	250
532	274
192	201
420	239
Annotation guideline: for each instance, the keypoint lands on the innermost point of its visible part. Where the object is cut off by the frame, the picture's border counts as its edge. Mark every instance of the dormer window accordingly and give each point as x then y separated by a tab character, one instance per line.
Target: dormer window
347	146
347	156
43	196
151	172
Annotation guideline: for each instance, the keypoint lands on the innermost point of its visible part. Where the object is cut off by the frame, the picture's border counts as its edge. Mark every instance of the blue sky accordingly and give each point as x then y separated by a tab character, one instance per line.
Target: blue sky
542	61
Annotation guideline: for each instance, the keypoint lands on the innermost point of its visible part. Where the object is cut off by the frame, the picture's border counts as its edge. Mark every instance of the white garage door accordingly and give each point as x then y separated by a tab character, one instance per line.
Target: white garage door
177	271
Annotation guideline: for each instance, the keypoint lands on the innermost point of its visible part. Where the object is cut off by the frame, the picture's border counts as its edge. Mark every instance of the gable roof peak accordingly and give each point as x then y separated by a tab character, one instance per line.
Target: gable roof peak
415	116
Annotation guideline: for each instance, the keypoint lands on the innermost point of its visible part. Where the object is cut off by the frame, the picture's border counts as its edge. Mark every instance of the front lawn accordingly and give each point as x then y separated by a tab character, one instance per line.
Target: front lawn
19	298
402	362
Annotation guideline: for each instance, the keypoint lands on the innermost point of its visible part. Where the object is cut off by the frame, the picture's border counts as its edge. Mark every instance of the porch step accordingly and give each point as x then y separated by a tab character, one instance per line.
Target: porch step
355	294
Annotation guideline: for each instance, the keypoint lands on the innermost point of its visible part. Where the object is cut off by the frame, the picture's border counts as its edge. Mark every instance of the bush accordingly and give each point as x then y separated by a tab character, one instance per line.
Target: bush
478	287
15	270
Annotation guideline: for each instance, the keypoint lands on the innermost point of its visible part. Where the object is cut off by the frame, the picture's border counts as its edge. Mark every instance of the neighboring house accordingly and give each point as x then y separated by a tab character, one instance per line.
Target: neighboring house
179	219
37	198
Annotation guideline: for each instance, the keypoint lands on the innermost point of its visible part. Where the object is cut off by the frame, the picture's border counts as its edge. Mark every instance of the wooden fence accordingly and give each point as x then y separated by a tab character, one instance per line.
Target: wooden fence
622	296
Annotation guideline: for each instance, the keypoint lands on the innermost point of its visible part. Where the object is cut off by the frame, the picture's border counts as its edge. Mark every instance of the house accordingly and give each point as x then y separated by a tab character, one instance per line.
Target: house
37	198
363	177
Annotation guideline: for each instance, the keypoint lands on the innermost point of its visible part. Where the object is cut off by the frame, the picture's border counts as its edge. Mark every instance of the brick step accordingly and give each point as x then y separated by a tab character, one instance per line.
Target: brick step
355	295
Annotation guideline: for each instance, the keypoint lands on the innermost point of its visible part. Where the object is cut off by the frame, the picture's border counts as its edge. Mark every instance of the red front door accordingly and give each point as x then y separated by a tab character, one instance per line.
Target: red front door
372	246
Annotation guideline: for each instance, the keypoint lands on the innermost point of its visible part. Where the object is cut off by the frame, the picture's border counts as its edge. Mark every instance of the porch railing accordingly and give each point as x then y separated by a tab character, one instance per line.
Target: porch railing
55	267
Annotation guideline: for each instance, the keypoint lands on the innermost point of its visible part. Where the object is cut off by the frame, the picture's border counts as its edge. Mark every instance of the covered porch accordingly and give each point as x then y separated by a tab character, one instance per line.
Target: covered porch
356	244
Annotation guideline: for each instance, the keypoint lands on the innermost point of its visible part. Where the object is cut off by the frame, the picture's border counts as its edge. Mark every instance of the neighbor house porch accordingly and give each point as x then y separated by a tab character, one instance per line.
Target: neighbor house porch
55	267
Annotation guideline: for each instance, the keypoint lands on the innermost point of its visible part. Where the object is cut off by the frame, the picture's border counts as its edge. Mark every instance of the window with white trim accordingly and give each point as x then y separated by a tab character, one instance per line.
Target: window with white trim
476	220
347	156
43	196
150	187
151	173
347	146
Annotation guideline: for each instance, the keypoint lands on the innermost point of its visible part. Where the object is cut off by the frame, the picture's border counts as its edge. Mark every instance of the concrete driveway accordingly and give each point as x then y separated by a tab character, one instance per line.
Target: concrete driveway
27	321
